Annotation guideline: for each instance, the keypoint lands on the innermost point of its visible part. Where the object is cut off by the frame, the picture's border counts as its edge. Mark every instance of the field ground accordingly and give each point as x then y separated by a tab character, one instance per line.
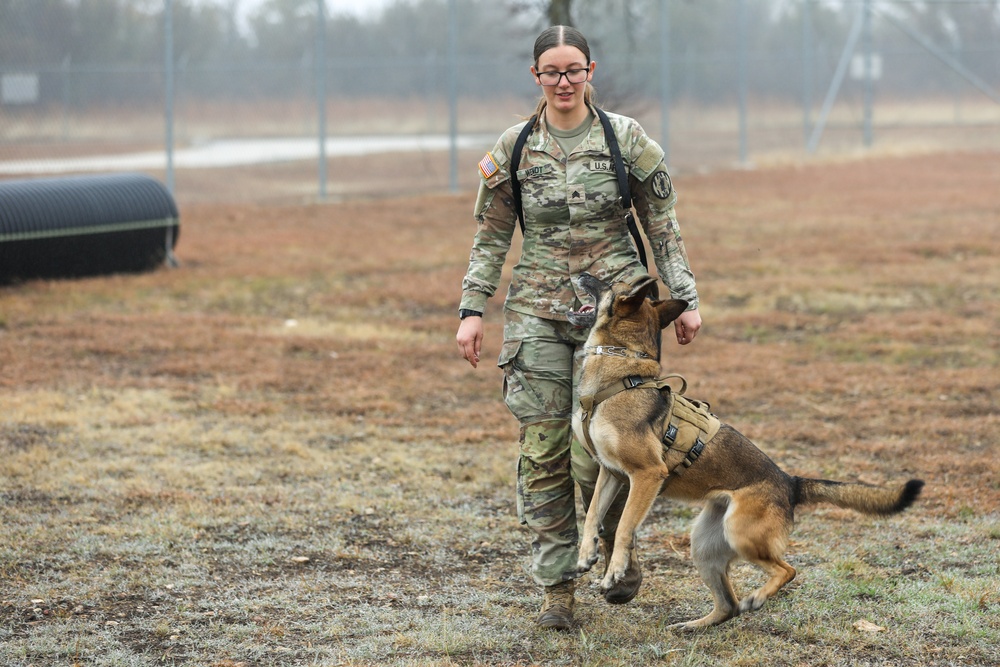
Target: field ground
272	455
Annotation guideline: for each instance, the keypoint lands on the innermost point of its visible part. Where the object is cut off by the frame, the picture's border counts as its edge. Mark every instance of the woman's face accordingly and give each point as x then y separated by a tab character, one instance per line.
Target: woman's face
564	97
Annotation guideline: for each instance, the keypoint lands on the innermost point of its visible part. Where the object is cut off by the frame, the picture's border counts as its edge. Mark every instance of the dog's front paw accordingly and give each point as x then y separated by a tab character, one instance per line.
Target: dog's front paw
617	568
588	555
612	579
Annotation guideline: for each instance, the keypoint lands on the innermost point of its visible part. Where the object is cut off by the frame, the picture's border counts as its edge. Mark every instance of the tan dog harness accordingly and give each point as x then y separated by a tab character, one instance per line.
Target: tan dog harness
689	424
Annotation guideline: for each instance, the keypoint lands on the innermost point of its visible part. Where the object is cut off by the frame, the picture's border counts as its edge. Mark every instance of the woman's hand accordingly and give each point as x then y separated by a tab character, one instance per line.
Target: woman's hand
687	326
470	339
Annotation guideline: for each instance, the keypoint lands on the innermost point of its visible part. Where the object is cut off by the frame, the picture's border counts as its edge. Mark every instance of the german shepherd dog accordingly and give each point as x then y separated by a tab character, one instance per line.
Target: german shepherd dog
747	501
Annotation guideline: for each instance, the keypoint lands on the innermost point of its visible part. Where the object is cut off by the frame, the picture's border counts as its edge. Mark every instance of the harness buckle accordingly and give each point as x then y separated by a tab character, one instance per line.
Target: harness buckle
695	452
632	381
671	433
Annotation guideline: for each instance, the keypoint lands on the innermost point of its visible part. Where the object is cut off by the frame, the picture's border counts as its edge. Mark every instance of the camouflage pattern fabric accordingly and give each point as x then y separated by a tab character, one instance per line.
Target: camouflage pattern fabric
541	361
573	224
573	220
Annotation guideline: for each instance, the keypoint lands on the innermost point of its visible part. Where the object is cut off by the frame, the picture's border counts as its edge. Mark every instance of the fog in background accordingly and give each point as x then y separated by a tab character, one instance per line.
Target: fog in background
718	81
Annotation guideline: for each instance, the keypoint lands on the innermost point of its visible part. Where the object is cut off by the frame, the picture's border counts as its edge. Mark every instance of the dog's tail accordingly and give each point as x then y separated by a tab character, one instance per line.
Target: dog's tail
863	498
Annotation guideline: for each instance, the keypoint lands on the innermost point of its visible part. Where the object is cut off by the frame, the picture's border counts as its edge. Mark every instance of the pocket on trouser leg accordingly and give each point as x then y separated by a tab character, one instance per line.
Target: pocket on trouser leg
522	401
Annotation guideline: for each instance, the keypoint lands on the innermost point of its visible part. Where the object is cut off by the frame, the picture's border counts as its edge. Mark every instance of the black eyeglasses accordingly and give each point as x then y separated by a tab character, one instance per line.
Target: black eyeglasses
572	76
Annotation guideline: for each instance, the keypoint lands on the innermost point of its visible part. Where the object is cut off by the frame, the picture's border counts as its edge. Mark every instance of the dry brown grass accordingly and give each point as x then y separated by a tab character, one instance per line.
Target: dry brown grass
273	455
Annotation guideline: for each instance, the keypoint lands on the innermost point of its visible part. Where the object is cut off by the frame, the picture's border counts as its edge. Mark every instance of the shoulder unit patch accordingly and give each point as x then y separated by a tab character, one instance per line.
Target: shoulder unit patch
662	186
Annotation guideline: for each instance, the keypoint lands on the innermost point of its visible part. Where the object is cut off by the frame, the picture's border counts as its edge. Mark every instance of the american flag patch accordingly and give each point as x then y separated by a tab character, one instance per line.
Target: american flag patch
488	166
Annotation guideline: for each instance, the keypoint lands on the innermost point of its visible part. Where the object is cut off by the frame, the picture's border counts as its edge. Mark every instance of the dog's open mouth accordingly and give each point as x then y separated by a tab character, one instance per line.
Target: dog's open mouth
583	318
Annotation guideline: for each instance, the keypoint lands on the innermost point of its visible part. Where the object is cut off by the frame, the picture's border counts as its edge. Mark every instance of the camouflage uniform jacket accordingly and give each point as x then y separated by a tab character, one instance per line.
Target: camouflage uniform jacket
574	222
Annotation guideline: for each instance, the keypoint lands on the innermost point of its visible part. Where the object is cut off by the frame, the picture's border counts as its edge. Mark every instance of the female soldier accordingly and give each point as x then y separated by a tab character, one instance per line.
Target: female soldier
573	222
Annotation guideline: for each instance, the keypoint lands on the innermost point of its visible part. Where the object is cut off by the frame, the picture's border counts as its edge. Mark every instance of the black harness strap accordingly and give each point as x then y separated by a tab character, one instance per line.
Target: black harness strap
625	195
515	161
623	189
616	155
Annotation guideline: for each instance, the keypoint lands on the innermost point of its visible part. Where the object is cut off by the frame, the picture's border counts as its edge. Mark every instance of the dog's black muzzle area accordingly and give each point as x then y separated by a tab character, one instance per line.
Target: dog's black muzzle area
587	315
591	285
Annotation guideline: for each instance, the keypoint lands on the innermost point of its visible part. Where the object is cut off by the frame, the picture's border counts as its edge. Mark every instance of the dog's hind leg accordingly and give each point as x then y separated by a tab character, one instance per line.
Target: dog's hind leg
605	490
780	574
759	533
712	555
643	490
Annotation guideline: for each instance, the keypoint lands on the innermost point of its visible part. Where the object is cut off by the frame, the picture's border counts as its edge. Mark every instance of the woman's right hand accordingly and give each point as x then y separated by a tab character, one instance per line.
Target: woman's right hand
470	339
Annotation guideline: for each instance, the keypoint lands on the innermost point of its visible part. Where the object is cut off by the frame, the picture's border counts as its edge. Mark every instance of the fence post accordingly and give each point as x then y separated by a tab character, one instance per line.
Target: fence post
168	66
807	68
168	84
869	84
665	80
453	94
742	73
320	62
66	83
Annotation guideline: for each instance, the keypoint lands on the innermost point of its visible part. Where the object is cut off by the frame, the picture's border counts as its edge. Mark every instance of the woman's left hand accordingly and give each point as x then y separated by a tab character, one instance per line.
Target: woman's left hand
687	326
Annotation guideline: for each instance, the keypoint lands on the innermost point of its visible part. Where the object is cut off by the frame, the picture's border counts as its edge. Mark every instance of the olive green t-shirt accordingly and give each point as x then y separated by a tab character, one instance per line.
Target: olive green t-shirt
570	139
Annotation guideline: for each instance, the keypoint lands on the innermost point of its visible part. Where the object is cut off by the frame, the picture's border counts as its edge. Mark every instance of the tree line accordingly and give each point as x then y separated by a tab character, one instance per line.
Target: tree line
405	49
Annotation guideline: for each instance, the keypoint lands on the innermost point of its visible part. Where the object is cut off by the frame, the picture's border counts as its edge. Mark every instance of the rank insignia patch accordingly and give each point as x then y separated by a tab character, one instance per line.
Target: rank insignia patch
488	166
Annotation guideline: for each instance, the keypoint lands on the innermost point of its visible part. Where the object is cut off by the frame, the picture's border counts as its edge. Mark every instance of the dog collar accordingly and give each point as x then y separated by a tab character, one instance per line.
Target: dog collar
613	351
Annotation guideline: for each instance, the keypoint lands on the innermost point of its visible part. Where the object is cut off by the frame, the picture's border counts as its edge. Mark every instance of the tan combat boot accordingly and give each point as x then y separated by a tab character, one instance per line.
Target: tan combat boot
557	609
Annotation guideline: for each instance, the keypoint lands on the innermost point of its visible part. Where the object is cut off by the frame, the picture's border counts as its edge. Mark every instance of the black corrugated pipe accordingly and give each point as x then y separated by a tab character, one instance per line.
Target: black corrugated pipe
84	226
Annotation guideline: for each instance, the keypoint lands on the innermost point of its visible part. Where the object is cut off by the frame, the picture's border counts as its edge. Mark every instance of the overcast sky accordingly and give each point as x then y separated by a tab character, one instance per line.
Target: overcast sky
362	8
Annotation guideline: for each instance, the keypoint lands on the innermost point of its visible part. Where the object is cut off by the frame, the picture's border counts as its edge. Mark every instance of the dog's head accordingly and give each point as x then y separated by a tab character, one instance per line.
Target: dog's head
625	311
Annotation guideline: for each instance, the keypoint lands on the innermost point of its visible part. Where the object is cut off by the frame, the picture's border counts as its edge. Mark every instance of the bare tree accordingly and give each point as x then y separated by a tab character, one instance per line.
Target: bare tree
553	12
559	12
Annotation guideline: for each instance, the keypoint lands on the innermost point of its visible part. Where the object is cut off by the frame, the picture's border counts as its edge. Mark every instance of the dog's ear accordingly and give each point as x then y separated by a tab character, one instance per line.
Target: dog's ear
669	310
643	287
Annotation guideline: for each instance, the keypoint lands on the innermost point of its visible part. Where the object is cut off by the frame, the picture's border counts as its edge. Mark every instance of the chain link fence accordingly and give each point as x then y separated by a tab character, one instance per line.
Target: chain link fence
407	101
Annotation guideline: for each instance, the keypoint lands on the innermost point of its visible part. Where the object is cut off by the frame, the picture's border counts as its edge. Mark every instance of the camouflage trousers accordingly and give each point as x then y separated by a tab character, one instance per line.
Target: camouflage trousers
541	361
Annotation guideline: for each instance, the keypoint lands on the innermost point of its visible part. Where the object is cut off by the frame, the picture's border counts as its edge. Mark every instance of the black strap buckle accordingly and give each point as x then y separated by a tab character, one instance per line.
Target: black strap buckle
633	381
694	453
